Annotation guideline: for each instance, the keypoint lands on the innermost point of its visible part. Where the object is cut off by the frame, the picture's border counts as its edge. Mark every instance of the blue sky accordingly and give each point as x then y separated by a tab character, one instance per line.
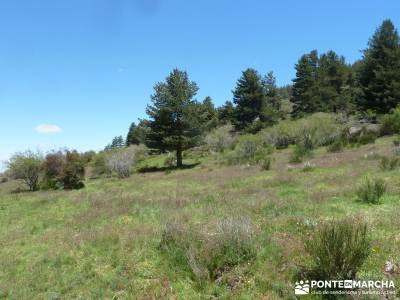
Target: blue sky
88	66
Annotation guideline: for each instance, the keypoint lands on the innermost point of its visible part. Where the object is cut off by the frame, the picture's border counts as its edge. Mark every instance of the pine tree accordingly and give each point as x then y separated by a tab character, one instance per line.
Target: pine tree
117	142
137	133
272	102
209	114
131	138
175	122
249	98
323	83
304	92
379	72
225	113
335	84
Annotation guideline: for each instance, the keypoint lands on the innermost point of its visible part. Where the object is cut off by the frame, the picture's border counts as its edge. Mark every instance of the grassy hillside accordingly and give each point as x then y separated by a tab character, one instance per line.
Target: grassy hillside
104	241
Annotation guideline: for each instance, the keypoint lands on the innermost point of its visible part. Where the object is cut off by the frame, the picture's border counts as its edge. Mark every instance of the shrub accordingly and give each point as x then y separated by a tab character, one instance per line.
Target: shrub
88	156
389	163
53	166
280	135
221	139
367	137
308	167
396	141
3	179
336	146
266	163
26	166
231	245
73	172
207	254
361	134
64	169
391	122
300	152
170	160
250	149
371	190
99	165
338	249
120	161
321	129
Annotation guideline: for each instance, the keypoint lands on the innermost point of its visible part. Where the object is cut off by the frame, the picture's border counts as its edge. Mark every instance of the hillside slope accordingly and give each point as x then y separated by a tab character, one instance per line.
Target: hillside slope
103	241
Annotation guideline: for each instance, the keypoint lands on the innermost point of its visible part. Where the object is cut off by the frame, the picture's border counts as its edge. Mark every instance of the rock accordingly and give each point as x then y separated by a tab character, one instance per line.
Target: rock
354	130
390	267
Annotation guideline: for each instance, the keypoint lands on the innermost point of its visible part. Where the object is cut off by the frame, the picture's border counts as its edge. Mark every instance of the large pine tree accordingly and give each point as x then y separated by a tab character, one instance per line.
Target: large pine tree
335	83
249	97
175	118
323	83
304	92
379	71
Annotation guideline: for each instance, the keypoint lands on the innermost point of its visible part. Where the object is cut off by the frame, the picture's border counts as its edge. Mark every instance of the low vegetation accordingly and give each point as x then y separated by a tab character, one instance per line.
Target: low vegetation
338	249
371	190
231	231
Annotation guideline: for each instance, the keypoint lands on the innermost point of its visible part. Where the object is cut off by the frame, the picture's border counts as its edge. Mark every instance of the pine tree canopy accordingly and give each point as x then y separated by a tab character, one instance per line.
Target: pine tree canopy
379	75
175	118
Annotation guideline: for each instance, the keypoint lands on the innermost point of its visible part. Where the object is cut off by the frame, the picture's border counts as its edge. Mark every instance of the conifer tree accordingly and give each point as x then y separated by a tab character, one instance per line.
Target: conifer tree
175	118
249	98
379	71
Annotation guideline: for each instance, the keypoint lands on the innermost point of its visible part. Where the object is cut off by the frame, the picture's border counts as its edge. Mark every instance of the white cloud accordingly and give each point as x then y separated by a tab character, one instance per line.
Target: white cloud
47	128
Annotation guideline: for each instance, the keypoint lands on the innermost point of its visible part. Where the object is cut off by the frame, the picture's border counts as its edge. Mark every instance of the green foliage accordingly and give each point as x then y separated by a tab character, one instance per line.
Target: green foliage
322	84
63	169
300	151
117	142
226	113
221	139
320	129
266	163
338	249
137	134
176	122
308	167
378	73
26	166
366	137
249	98
396	141
53	166
371	190
208	114
389	163
98	165
391	122
208	255
258	103
73	172
170	160
249	149
336	146
88	156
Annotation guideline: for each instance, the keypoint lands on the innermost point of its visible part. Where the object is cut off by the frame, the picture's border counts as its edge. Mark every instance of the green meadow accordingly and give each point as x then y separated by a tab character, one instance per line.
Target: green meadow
105	241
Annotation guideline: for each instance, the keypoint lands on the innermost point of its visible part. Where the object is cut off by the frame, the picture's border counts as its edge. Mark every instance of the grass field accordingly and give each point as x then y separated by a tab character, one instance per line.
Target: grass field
103	242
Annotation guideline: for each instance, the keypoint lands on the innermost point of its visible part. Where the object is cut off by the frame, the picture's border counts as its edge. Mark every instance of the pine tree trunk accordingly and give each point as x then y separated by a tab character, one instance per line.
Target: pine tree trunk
179	157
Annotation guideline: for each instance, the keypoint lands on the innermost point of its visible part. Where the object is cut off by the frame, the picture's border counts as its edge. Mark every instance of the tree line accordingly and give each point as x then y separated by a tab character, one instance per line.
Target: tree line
323	83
